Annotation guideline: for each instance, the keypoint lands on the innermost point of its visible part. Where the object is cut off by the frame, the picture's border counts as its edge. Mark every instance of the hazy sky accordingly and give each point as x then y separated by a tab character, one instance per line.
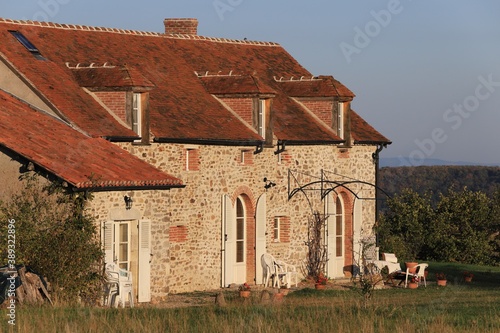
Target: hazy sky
426	73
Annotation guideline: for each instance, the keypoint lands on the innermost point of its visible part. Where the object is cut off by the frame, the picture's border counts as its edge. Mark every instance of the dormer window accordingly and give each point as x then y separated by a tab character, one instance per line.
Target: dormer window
137	114
340	121
261	121
122	90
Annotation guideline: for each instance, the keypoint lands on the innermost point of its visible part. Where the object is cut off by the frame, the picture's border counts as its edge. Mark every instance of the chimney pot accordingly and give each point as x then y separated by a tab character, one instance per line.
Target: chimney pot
181	26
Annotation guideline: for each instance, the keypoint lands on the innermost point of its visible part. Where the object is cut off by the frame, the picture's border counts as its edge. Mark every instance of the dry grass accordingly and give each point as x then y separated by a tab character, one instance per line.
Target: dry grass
458	307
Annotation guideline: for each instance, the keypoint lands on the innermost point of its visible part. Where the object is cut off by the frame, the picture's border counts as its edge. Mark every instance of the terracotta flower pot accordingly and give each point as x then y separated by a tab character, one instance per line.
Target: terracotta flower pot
411	265
413	285
319	286
441	283
245	293
468	279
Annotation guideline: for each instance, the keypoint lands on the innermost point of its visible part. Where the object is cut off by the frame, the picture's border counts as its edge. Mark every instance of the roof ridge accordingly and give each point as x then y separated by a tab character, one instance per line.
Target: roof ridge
133	32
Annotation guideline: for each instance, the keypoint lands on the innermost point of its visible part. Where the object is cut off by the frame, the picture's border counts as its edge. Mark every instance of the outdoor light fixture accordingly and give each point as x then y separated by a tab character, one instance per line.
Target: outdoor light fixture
268	184
128	202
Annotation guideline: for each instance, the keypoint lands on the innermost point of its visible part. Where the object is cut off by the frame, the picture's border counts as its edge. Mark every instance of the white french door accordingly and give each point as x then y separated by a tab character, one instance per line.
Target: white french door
335	230
128	244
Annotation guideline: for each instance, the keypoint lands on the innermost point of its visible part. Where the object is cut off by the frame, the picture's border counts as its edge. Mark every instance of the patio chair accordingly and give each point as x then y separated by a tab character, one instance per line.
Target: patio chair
118	287
420	274
394	271
268	269
285	273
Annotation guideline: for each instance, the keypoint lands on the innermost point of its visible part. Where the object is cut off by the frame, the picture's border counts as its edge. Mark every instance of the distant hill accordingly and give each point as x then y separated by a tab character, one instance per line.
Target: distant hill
400	162
439	179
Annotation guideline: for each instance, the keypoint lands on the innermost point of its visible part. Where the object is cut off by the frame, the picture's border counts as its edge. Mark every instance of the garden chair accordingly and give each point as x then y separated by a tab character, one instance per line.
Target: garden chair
118	287
394	271
420	274
268	269
286	272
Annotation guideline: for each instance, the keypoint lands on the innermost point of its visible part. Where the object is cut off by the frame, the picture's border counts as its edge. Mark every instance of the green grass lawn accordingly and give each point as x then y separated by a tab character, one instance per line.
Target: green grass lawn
458	307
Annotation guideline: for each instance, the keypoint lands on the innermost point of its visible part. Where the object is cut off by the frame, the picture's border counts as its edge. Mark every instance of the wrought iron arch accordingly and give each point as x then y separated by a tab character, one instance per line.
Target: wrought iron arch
326	186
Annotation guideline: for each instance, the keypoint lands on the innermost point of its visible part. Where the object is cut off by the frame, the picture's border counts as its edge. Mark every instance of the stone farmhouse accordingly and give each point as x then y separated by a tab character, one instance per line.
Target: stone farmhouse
202	153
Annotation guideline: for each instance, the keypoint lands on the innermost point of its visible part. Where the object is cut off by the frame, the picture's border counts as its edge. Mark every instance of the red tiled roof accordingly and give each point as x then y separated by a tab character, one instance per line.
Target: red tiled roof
82	161
322	86
362	132
181	108
108	76
235	84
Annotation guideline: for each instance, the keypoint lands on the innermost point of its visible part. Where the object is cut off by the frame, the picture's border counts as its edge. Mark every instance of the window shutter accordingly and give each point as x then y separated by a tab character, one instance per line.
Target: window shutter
260	236
107	241
229	241
144	273
357	221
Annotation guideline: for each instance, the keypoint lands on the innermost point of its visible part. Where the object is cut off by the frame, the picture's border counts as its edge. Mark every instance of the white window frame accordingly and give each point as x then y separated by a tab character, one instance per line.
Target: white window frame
124	264
340	120
137	114
277	229
261	122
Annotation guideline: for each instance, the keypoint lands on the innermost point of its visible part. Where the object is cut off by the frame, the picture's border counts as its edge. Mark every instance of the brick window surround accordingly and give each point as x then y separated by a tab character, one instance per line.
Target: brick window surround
281	229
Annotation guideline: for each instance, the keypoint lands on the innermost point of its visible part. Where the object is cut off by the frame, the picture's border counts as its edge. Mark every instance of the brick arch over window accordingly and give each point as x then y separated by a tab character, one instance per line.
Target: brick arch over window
348	201
246	195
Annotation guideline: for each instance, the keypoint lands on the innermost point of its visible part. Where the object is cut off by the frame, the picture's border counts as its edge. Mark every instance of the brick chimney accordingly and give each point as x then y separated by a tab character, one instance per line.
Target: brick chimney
182	26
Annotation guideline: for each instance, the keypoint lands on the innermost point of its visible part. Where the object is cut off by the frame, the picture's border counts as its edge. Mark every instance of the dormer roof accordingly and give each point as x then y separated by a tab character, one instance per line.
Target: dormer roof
320	86
109	77
218	84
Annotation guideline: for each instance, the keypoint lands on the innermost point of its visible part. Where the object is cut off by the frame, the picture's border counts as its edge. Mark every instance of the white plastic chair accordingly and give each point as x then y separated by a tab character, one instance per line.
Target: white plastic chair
268	269
287	272
420	274
119	287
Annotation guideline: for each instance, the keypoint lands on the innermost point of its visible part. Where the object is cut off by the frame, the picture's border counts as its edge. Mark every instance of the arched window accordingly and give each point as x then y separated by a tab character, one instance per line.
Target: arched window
339	228
240	230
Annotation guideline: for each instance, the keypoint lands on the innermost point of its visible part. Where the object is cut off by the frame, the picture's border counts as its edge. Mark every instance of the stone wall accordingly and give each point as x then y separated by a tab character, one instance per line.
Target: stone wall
193	260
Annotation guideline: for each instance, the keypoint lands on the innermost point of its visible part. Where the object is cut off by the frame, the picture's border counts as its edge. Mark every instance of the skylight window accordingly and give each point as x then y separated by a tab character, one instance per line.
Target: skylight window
27	44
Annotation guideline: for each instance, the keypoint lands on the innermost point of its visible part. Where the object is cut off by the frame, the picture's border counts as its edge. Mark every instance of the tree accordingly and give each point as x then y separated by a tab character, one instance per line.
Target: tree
56	238
461	229
403	229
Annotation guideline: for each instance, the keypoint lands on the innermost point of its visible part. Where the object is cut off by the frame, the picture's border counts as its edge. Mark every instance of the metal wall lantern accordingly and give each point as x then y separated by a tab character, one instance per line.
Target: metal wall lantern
268	183
128	201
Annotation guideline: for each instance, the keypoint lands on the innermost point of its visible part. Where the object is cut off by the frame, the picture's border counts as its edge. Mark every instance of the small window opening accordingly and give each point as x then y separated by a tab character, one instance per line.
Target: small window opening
27	44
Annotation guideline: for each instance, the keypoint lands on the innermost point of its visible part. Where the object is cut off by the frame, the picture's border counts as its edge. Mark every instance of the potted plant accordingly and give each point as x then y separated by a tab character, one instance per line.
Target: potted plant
321	281
244	290
468	276
413	284
441	279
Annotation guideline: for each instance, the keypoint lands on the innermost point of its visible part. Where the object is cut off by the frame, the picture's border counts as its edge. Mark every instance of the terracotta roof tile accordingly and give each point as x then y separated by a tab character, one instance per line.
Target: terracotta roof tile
82	161
235	84
363	132
322	86
181	106
109	76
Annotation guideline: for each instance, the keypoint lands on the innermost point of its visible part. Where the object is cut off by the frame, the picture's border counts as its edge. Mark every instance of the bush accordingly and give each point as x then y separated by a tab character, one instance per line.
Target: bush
55	238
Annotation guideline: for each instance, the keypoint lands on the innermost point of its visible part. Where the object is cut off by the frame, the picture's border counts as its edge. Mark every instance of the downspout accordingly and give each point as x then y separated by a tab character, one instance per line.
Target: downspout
376	158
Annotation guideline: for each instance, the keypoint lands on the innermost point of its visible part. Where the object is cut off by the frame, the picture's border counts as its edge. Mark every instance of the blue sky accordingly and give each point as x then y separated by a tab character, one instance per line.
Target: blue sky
426	73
